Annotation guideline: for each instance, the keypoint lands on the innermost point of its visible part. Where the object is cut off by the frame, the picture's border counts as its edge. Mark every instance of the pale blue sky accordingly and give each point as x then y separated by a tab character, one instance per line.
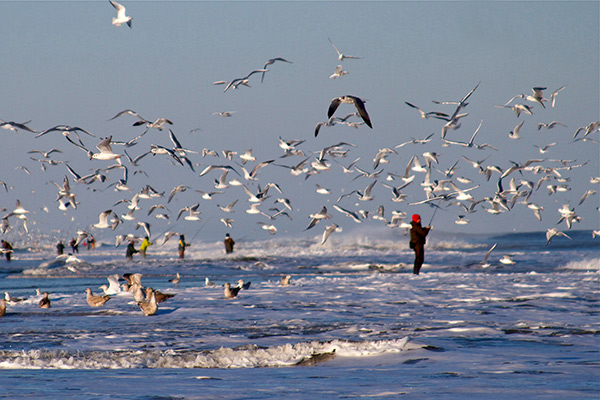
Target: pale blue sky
64	63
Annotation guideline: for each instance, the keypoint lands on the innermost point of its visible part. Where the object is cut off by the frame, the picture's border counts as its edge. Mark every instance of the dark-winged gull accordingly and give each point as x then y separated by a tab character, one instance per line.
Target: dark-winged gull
358	103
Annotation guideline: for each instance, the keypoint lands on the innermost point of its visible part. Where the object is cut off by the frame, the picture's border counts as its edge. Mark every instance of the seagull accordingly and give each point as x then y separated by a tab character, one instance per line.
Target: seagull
2	307
484	263
269	62
519	108
224	113
243	285
121	17
507	260
285	280
247	156
358	103
176	280
553	95
549	125
327	232
144	225
461	220
113	285
229	208
537	96
228	222
95	301
244	80
45	154
545	148
103	220
150	306
587	194
338	72
552	232
45	301
272	229
15	126
341	56
208	282
106	152
317	217
158	123
231	292
177	189
426	115
348	213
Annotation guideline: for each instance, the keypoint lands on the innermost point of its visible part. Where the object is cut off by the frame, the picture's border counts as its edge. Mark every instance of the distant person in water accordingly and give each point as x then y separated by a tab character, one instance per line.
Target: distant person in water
7	249
144	246
417	241
229	242
182	245
74	246
60	247
131	250
91	243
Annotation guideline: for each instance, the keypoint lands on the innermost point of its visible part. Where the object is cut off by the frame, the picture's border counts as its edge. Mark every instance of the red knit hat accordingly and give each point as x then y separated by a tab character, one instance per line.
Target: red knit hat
416	217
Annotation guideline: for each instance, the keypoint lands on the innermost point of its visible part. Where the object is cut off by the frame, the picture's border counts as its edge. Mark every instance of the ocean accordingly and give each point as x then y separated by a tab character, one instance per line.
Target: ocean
354	322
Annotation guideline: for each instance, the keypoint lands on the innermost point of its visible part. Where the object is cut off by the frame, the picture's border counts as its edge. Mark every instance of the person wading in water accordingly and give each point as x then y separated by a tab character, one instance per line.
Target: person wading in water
417	241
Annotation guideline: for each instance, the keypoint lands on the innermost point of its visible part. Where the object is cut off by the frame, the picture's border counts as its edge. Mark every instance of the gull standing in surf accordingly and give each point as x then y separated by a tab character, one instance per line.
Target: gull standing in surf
121	18
95	301
45	301
150	306
230	292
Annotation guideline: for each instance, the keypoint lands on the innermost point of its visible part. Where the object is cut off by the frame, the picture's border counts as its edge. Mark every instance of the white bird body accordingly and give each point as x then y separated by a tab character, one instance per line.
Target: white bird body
121	18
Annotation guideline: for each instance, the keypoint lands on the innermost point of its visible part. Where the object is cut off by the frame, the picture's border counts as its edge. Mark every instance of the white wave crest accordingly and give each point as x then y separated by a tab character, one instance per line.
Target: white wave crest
249	356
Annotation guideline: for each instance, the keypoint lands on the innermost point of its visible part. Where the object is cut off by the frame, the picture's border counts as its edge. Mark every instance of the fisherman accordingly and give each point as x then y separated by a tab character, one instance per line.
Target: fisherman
229	242
144	246
182	245
91	243
74	245
417	241
60	247
131	250
7	249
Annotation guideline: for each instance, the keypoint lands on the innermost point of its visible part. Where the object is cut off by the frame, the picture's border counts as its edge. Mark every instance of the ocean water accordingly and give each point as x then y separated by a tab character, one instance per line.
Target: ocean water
353	323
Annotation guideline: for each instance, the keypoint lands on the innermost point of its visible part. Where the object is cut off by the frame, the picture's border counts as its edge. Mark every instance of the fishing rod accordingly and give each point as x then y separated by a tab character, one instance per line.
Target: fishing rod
201	227
437	206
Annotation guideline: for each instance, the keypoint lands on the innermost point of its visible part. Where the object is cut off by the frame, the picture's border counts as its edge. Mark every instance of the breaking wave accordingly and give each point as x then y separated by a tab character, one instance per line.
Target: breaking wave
250	356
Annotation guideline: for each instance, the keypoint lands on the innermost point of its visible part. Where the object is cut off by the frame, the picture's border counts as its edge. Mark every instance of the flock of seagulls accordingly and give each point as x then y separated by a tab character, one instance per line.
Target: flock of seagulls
432	179
147	299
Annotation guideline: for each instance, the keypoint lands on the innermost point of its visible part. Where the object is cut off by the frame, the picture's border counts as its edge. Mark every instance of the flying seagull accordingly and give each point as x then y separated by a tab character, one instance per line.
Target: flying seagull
358	103
121	17
341	56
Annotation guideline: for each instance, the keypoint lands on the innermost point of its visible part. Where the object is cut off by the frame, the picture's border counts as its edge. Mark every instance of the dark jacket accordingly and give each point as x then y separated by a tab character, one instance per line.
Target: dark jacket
131	250
229	242
417	235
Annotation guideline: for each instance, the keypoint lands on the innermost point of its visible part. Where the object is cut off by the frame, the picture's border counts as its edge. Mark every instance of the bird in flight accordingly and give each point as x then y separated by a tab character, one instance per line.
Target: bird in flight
121	17
358	103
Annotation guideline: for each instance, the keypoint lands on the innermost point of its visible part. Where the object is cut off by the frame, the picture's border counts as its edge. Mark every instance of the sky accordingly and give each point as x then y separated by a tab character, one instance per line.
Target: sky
64	63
